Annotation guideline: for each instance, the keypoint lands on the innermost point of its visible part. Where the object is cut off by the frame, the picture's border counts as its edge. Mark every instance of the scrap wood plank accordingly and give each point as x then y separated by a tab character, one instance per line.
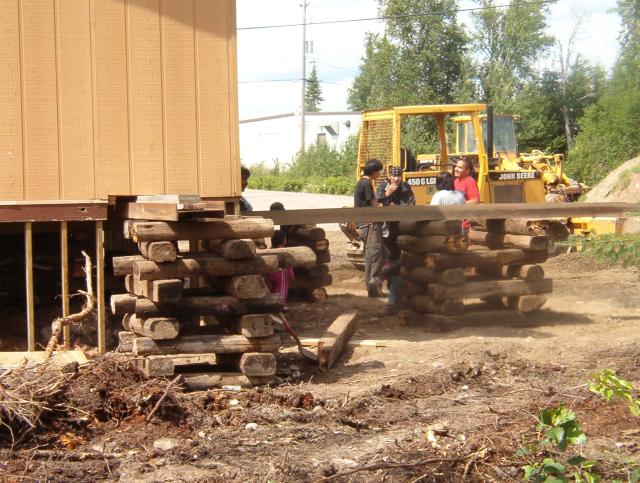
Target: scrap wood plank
449	212
313	342
336	338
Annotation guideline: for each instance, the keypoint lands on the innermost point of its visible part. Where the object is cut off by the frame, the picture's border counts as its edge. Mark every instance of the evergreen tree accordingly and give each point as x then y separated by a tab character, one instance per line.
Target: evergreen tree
313	92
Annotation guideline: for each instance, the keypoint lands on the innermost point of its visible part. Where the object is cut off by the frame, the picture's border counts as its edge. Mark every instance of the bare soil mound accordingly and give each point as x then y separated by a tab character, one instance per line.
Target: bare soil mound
622	184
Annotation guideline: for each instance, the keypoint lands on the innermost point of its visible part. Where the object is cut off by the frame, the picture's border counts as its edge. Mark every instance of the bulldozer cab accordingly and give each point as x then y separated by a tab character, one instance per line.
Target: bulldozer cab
394	135
504	136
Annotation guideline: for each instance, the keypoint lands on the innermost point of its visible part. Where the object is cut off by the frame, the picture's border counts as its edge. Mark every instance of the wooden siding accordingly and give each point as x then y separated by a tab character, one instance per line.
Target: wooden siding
108	97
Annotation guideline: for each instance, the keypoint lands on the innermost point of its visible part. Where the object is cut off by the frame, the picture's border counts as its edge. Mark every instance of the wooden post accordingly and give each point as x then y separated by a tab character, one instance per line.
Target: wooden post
101	312
64	268
28	262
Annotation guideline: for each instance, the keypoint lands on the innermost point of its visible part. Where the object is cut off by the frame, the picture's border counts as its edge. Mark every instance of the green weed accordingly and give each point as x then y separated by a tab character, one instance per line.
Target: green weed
608	385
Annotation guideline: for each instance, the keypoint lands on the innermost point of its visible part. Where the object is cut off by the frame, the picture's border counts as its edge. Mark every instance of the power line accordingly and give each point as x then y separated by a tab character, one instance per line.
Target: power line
288	80
336	67
269	80
409	15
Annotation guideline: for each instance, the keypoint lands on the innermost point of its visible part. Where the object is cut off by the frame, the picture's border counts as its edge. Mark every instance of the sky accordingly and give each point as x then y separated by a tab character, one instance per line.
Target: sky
275	54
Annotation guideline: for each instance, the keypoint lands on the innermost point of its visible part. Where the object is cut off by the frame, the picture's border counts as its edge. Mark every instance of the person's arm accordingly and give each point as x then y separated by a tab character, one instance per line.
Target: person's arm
472	192
390	189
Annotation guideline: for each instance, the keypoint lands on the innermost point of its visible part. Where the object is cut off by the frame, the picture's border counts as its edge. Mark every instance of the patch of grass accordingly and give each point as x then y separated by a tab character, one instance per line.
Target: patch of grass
636	169
617	249
623	182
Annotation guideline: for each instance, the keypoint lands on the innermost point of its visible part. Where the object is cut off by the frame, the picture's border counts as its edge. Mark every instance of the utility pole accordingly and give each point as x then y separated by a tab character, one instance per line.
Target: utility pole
304	74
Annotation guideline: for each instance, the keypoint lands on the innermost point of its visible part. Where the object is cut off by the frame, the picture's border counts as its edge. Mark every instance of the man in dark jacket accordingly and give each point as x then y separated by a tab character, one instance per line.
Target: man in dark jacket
394	191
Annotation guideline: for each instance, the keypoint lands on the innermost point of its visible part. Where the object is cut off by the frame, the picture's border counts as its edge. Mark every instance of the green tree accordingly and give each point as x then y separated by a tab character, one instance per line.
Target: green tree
551	100
608	132
507	42
418	60
313	92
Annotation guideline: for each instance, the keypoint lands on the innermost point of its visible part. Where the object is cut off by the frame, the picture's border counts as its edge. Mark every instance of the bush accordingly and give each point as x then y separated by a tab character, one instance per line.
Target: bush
320	169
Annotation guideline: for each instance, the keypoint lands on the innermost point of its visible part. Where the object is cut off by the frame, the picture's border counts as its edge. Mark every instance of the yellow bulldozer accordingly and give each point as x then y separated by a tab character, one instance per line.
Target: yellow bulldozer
558	186
503	175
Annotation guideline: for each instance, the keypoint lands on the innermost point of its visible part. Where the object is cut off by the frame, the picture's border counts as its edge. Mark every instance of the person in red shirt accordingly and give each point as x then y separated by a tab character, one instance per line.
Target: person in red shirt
465	182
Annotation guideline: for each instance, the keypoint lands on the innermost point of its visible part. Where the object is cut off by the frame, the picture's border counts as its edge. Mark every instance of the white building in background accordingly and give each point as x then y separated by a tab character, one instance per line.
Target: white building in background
277	138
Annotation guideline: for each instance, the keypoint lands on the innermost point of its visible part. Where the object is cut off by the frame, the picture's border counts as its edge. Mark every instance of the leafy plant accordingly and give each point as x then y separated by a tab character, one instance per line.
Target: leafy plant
560	430
619	249
608	385
320	169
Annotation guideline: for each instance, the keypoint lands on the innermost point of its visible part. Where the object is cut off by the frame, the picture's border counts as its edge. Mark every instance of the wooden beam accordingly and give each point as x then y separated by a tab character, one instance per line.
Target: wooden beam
159	252
28	259
292	256
491	288
255	325
480	258
100	308
335	339
64	271
197	344
239	249
257	364
247	287
218	305
424	275
507	240
201	265
124	265
156	328
447	212
25	211
213	229
423	228
433	243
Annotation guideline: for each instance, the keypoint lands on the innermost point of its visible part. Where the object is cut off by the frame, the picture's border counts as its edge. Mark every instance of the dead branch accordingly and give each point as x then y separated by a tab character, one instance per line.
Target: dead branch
26	394
61	322
173	383
387	466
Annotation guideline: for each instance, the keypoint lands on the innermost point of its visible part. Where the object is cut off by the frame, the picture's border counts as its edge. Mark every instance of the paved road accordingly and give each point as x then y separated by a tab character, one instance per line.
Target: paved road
261	200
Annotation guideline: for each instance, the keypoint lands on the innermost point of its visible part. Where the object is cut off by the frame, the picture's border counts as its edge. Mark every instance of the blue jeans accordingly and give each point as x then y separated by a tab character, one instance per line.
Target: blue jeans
396	288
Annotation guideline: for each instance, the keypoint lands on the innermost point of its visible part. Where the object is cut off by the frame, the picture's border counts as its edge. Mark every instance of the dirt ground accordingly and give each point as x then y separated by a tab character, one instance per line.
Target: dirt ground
430	405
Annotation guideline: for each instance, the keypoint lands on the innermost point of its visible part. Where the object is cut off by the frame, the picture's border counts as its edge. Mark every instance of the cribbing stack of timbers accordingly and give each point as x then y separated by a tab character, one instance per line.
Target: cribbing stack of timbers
442	269
208	310
309	281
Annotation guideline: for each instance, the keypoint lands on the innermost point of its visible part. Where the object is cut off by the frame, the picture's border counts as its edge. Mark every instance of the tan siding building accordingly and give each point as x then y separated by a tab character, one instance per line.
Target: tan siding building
118	97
